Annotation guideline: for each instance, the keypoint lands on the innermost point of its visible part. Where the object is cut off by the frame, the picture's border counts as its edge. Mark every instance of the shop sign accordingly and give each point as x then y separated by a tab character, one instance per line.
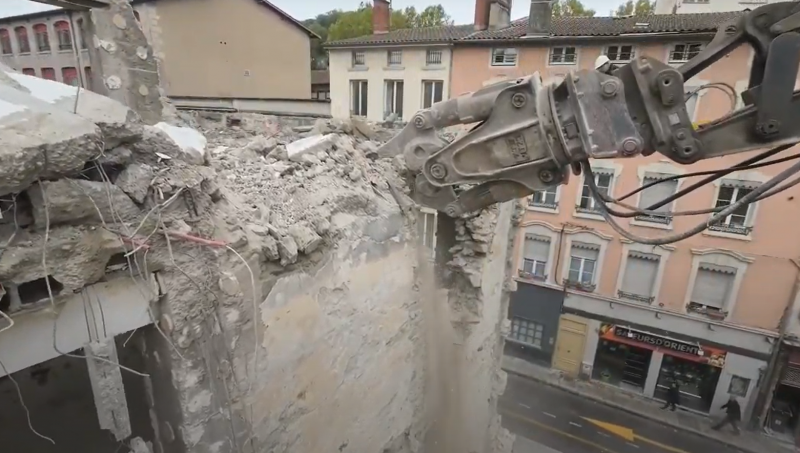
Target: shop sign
667	345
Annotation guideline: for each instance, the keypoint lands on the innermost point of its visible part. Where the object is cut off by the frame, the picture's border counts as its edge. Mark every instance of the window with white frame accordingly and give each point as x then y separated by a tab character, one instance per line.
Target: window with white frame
432	92
504	57
545	198
433	57
683	52
393	103
620	54
740	221
563	55
394	58
527	332
534	257
359	58
657	189
712	288
602	180
583	266
358	97
426	229
639	278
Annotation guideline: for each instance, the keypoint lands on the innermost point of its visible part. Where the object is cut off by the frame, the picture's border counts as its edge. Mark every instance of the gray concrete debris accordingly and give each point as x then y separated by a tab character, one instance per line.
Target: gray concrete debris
309	145
307	240
135	181
287	248
78	201
262	145
138	445
121	155
109	393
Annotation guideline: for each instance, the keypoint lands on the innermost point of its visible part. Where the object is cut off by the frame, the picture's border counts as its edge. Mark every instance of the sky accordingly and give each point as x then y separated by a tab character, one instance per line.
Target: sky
462	11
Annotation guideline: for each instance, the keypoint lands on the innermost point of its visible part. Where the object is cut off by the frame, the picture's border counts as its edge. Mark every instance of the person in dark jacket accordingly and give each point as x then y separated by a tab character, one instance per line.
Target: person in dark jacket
673	395
733	413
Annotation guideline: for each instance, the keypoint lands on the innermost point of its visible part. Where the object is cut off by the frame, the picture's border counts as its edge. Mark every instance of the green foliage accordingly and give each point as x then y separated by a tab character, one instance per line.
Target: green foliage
320	26
352	24
637	8
571	8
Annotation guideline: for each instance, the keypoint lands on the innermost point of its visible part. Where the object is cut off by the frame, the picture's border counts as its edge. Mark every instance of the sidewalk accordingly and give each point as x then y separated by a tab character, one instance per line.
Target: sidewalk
749	441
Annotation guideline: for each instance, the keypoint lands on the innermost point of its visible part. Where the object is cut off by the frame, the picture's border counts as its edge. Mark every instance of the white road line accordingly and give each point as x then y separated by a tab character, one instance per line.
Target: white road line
524	405
575	424
549	414
632	444
603	434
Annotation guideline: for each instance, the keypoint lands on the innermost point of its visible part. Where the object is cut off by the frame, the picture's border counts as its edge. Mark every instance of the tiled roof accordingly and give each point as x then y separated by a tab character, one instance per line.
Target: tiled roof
409	36
615	26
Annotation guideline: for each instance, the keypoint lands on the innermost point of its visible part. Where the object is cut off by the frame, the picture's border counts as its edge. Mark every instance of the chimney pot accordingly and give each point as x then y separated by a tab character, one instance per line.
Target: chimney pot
540	17
381	16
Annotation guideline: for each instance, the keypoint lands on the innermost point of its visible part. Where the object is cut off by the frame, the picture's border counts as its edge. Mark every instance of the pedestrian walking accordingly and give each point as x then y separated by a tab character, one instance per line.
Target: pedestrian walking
733	414
673	395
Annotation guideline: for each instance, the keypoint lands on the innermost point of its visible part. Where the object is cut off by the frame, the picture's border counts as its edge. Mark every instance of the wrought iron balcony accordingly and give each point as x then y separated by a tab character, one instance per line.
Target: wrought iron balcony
531	276
731	229
662	220
635	297
543	204
580	286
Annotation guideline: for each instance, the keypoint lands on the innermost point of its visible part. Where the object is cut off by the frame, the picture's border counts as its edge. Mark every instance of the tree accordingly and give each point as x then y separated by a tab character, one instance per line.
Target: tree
320	26
352	24
638	8
433	16
571	8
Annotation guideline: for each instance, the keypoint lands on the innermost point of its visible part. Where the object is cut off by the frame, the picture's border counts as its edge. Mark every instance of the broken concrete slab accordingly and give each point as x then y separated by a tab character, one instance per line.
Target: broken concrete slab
135	181
109	393
190	141
309	145
287	248
307	240
78	201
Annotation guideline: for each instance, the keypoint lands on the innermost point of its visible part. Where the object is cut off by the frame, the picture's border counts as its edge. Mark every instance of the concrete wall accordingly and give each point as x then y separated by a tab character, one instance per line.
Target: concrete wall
413	71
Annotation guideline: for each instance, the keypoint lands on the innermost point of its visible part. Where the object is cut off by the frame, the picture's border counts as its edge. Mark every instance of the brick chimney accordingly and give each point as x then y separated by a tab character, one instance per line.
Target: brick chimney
381	16
539	18
482	14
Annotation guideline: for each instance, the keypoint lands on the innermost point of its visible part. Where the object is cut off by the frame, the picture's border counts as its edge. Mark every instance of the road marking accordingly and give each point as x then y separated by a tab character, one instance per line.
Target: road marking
524	405
549	414
629	436
603	434
575	424
557	431
632	444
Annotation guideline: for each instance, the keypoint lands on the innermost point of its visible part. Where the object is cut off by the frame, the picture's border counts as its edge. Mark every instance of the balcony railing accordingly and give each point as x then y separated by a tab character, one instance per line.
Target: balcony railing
662	220
580	286
531	276
543	204
731	229
635	297
712	313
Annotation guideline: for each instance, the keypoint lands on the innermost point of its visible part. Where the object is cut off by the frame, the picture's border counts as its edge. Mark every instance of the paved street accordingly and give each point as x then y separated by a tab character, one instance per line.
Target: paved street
568	423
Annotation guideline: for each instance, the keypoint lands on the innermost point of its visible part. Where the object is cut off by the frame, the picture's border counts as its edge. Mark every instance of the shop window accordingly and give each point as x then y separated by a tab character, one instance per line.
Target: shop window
739	386
5	42
545	199
70	76
639	279
64	35
712	287
48	73
654	194
42	37
527	332
621	365
22	39
587	203
697	381
535	254
583	266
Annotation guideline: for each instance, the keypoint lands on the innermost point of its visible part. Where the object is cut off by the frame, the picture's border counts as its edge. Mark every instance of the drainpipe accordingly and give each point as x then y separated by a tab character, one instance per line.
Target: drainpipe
558	256
765	392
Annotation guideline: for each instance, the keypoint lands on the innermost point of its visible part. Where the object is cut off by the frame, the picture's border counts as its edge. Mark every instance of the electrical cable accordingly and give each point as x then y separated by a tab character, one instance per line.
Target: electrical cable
747	199
24	406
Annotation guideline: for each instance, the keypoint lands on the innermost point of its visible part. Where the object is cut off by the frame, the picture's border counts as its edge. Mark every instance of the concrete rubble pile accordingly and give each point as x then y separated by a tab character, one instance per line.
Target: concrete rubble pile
285	263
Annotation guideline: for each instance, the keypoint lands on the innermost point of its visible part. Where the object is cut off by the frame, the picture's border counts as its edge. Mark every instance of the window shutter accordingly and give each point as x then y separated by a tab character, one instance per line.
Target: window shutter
656	193
582	250
537	248
640	274
712	285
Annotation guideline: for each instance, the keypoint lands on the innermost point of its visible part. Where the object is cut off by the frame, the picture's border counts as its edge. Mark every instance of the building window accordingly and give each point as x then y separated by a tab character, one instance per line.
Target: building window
22	39
652	195
534	257
84	36
432	91
64	35
739	221
394	57
29	71
639	279
681	53
393	105
587	203
433	57
5	42
620	54
712	287
70	76
359	58
504	57
42	37
358	97
426	229
563	55
527	332
545	198
582	266
48	73
87	71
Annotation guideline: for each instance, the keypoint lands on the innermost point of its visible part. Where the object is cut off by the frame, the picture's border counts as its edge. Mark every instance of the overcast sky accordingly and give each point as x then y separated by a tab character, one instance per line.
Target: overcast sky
461	10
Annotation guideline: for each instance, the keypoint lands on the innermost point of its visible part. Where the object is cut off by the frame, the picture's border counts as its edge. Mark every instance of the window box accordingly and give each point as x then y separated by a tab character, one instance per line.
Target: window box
635	297
531	276
731	229
580	286
712	313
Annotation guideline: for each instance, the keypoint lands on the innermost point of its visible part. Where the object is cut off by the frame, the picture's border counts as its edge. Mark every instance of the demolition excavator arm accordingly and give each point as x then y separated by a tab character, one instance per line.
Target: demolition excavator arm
528	136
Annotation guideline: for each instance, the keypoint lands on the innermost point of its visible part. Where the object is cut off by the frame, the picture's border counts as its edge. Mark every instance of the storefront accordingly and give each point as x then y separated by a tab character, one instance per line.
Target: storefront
782	417
644	362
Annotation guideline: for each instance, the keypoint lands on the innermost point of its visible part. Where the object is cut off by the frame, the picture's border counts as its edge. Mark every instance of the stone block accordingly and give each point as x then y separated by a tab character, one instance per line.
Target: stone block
309	145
